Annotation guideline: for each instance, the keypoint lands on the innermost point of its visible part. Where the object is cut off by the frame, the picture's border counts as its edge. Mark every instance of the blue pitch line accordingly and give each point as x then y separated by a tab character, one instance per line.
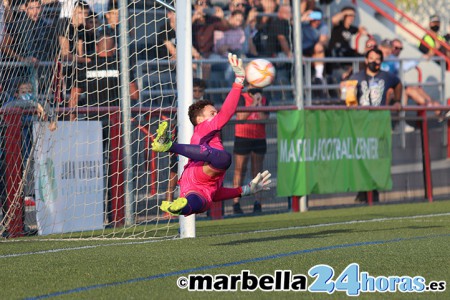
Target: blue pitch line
231	264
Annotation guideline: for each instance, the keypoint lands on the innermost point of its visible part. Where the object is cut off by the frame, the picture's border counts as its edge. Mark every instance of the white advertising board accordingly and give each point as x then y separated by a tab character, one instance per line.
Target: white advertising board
68	174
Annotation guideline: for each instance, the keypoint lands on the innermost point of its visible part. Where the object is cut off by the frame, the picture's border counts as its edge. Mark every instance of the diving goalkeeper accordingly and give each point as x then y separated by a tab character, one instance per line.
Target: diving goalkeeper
202	178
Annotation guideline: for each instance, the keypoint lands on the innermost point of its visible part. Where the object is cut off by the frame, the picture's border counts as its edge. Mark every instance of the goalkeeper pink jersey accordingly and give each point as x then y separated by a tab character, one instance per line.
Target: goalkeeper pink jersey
193	178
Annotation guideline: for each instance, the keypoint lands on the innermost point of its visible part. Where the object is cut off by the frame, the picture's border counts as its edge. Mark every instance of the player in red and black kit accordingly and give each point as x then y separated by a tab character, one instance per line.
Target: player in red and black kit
250	141
201	181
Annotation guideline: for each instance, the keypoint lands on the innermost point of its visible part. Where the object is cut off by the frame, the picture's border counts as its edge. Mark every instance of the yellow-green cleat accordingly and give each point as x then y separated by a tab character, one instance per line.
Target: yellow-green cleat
174	208
162	142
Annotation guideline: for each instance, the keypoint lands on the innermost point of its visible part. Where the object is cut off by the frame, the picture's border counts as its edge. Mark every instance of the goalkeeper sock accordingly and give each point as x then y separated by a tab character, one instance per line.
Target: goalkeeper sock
219	159
195	205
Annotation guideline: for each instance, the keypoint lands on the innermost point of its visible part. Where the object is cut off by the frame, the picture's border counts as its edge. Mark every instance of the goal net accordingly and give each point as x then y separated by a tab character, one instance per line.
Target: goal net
84	87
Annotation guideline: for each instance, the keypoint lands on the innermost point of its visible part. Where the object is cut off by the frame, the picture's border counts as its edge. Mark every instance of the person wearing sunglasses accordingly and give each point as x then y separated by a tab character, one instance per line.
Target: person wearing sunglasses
415	93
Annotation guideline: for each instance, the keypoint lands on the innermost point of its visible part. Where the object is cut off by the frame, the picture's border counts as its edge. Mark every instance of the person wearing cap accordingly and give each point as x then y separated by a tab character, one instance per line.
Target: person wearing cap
432	42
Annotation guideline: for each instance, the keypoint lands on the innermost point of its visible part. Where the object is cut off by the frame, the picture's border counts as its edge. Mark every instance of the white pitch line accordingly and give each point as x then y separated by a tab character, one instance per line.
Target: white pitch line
340	223
237	233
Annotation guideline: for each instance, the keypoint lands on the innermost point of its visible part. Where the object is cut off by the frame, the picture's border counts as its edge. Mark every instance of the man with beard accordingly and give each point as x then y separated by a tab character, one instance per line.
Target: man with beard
376	88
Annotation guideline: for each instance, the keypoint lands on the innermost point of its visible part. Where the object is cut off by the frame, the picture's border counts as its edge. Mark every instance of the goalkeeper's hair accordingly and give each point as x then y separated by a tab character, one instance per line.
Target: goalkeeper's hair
196	109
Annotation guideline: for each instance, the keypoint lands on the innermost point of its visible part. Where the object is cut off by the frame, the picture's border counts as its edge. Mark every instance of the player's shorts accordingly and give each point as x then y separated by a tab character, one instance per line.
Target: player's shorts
244	146
195	180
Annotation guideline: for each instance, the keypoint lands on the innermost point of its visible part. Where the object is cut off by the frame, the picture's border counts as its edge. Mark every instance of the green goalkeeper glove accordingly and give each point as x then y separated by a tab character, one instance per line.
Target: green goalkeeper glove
259	183
238	69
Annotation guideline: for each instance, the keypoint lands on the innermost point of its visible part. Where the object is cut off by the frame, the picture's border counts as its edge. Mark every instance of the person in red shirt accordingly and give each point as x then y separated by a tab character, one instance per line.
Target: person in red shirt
250	141
202	178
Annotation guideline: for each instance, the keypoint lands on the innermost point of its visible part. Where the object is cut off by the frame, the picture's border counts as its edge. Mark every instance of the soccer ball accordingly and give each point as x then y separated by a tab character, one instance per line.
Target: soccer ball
260	73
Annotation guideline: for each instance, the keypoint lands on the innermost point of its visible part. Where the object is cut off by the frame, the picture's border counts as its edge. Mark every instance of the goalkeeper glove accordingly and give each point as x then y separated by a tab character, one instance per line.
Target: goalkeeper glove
238	69
259	183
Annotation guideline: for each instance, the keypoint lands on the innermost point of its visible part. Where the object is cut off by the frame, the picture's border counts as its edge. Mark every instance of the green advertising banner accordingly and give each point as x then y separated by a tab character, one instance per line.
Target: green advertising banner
329	151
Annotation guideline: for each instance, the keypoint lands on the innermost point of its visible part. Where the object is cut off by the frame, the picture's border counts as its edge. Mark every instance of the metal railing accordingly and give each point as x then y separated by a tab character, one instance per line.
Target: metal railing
309	87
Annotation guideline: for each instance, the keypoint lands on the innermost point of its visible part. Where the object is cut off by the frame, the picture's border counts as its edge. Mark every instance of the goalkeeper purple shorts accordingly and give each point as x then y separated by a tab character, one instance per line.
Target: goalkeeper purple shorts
195	180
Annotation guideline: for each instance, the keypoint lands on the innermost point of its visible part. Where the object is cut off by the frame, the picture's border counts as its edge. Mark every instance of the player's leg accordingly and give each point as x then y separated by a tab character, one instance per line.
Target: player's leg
242	150
192	203
257	159
240	168
219	159
173	177
162	142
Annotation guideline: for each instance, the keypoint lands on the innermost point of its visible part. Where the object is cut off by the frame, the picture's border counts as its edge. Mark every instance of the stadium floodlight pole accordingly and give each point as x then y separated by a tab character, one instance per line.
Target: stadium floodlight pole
299	100
184	87
126	109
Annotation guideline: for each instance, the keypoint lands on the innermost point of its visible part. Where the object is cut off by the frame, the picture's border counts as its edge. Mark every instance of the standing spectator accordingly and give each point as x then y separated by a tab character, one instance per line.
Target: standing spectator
260	34
71	37
204	23
340	41
166	42
434	44
27	39
315	36
250	13
250	31
231	40
102	89
250	141
376	88
72	34
280	41
100	81
112	27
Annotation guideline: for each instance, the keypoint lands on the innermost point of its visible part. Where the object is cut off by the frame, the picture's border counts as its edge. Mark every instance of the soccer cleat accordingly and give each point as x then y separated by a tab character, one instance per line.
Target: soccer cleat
174	208
162	142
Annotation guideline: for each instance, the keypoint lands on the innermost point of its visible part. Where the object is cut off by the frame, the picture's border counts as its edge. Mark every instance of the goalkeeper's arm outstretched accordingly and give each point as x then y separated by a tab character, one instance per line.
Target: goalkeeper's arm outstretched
201	181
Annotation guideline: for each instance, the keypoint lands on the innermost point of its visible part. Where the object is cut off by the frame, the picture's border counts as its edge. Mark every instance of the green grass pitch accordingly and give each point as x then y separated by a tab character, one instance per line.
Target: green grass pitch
385	240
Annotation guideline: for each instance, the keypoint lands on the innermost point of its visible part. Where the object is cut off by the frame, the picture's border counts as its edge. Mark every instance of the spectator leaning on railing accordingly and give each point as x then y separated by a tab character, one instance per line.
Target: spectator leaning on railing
416	93
374	88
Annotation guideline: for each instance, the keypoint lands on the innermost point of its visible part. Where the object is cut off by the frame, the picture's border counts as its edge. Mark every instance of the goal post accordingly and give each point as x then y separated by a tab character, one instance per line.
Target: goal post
107	83
184	80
